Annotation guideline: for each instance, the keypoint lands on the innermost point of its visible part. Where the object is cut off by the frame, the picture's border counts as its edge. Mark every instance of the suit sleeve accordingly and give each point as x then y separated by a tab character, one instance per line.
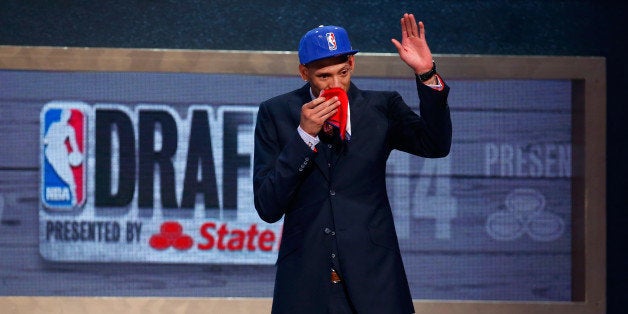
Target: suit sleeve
278	171
428	134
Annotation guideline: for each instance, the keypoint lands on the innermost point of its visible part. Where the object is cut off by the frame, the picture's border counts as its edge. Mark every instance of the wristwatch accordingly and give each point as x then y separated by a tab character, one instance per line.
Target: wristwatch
427	75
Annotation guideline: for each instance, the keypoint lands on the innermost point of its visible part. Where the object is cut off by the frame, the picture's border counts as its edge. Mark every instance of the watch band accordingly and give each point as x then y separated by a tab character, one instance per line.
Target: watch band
427	75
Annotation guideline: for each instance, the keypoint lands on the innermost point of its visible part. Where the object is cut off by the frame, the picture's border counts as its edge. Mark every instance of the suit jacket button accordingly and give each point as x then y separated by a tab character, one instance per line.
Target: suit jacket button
332	192
327	231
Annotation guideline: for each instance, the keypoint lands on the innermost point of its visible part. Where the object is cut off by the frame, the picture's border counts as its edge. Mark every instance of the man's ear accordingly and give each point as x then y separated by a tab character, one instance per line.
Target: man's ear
351	61
304	72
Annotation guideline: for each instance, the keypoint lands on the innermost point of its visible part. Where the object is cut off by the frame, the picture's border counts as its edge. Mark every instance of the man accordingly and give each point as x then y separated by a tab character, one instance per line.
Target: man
339	251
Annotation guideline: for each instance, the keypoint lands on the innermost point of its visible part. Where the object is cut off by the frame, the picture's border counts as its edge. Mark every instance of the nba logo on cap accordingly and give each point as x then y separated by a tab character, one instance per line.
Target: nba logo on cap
324	42
63	138
331	41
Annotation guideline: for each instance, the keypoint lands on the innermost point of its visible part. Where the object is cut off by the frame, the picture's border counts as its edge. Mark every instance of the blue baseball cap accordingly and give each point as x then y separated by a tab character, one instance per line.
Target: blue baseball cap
324	42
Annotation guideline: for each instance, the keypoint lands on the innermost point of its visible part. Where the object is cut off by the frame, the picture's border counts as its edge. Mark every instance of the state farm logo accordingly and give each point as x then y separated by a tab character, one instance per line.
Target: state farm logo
220	237
525	214
171	234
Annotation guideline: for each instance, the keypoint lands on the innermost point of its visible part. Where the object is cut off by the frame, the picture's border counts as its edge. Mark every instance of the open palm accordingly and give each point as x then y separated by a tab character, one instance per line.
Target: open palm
413	49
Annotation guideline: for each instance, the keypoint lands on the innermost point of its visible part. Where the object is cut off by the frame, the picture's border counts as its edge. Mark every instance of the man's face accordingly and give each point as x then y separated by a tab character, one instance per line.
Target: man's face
328	73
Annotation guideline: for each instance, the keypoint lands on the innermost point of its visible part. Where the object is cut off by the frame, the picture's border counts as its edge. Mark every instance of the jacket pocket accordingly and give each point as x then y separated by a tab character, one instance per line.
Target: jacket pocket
385	237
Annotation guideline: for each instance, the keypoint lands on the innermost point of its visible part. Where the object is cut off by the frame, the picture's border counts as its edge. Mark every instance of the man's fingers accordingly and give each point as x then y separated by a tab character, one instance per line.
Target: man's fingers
315	102
314	114
397	44
329	114
404	31
413	25
331	107
410	29
319	104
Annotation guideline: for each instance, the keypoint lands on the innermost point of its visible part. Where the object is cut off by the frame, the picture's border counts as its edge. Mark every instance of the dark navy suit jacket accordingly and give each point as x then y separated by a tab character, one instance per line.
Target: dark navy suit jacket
334	199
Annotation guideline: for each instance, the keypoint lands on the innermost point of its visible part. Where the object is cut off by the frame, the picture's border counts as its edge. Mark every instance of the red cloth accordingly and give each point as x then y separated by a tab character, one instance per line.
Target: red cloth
338	120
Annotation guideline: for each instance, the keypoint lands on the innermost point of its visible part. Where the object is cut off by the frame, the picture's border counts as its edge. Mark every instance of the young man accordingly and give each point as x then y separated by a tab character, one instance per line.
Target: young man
339	251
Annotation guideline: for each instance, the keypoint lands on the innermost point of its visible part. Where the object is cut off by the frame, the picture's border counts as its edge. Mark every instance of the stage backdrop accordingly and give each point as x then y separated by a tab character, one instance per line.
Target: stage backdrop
140	184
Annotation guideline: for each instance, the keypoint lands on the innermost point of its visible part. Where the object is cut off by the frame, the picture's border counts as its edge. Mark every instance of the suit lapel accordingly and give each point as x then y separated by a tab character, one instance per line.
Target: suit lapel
356	107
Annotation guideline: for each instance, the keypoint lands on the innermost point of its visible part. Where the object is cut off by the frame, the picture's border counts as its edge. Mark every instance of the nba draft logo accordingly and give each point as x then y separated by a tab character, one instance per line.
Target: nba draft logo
331	41
63	138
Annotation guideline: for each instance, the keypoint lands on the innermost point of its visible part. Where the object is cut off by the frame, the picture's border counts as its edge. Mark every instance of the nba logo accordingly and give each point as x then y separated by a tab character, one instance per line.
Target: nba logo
63	138
331	41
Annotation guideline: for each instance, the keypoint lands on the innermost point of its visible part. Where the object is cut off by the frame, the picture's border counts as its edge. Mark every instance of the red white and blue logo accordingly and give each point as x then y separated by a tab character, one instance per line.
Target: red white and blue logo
63	147
331	41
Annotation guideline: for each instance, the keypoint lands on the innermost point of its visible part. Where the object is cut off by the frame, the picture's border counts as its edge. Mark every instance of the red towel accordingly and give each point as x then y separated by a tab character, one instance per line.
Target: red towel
338	120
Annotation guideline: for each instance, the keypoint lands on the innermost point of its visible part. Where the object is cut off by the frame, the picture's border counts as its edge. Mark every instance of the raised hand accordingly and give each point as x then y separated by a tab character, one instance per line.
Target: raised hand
413	49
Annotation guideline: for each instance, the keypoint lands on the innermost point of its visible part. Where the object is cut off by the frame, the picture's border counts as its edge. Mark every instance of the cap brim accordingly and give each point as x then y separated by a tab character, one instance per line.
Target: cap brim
347	53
